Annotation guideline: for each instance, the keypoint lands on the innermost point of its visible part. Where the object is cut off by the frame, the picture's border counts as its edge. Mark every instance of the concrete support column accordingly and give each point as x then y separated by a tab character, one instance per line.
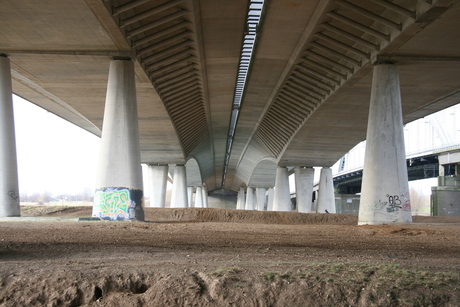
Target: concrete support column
270	199
282	200
190	196
385	188
199	197
260	198
9	186
240	201
158	181
326	197
249	199
179	191
204	190
304	188
119	188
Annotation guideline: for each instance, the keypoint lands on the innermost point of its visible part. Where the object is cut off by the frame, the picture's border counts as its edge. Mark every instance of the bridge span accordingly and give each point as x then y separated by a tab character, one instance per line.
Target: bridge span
244	89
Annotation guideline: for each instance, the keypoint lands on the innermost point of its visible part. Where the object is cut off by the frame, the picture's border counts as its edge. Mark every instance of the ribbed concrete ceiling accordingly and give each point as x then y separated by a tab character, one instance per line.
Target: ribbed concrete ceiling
165	41
353	33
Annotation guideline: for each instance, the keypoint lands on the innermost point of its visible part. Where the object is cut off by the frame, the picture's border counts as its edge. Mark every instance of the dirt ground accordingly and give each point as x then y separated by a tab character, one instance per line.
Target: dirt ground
217	257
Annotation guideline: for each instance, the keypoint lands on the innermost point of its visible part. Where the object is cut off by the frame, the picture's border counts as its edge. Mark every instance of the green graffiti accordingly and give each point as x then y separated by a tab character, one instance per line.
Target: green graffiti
112	204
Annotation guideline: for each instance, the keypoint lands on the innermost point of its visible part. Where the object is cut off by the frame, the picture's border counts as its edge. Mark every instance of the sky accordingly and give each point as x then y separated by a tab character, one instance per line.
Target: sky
53	154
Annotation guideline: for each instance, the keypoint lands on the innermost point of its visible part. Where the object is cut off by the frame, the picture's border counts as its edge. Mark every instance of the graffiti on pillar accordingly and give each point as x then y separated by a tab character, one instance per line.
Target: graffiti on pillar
398	202
379	205
393	203
14	195
405	202
116	203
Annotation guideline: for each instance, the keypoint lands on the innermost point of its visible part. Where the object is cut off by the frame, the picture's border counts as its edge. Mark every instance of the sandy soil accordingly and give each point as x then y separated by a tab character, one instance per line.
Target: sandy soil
217	257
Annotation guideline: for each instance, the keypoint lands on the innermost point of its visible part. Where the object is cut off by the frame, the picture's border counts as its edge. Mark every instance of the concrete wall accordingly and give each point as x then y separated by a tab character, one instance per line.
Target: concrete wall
222	201
347	203
445	201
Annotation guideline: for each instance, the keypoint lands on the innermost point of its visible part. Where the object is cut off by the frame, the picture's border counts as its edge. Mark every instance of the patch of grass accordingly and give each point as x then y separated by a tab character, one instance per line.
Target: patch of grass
270	276
224	271
289	276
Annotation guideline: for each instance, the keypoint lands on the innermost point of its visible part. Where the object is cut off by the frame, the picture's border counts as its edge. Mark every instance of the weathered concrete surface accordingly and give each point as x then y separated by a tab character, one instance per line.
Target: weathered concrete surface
260	199
9	186
385	188
158	175
249	205
304	188
282	196
119	167
326	199
179	198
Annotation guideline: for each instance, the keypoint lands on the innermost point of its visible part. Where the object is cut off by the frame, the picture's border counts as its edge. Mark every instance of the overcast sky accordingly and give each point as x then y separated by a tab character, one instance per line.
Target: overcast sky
53	154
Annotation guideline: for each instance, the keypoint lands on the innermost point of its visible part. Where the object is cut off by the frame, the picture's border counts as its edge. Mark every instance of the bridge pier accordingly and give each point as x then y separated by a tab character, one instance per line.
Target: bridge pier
179	197
204	191
270	199
282	200
190	196
445	198
385	188
158	182
240	199
304	188
9	186
249	199
326	198
199	197
119	188
260	199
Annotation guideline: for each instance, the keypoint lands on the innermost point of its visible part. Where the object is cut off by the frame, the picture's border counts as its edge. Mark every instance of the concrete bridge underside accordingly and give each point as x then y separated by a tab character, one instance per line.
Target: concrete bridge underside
307	97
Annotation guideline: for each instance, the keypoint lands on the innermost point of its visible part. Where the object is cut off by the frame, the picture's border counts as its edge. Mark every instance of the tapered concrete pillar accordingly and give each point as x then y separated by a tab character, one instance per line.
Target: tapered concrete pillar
260	199
204	190
326	197
190	196
158	182
282	200
270	199
119	188
240	201
9	187
249	199
179	197
304	188
385	188
199	197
